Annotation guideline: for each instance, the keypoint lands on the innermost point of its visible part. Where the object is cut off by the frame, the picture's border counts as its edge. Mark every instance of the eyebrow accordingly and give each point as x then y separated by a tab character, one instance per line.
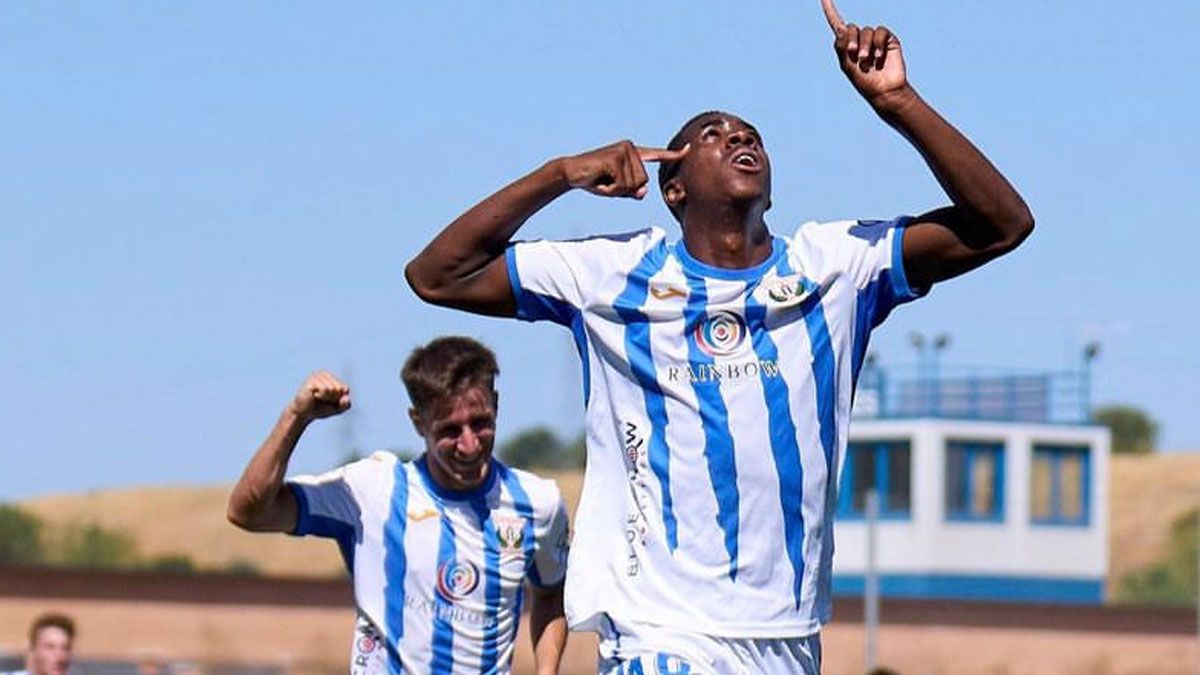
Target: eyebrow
718	120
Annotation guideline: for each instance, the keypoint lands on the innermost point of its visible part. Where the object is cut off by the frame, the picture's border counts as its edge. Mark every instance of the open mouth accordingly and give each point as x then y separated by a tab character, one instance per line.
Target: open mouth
748	161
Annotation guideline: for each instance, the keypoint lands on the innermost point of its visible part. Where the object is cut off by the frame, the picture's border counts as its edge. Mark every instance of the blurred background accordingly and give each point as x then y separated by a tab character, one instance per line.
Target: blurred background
200	204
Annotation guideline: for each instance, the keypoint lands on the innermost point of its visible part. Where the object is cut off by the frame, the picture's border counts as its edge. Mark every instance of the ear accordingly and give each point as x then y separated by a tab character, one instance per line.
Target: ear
496	402
417	423
674	194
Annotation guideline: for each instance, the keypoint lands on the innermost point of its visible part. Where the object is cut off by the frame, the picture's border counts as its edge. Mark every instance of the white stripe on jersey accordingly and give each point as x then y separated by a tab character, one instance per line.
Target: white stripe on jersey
717	407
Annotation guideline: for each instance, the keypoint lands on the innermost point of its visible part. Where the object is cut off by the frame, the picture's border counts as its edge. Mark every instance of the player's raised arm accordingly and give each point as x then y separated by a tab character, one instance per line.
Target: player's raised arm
987	218
260	502
463	267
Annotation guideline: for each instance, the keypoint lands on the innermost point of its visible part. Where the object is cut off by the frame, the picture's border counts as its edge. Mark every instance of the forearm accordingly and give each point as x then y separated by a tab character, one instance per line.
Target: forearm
254	503
994	211
548	628
480	235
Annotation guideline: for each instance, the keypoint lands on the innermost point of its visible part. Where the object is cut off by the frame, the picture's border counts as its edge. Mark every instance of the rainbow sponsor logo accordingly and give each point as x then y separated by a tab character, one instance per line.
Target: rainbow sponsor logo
721	334
456	579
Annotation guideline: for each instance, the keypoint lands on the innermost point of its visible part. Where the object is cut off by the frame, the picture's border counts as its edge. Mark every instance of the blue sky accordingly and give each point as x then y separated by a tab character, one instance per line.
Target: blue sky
200	203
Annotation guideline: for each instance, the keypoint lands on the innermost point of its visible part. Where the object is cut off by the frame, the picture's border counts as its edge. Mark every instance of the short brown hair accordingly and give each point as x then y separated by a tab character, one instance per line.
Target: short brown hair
51	620
445	367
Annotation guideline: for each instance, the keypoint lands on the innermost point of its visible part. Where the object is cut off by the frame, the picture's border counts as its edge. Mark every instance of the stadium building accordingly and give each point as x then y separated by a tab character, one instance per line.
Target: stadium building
990	487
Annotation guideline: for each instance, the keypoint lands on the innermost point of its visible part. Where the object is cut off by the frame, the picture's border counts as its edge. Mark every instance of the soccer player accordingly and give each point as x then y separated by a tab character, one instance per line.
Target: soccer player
439	548
51	640
719	370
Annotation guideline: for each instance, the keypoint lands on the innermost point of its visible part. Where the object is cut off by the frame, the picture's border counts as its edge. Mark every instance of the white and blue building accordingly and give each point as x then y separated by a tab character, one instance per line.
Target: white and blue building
990	488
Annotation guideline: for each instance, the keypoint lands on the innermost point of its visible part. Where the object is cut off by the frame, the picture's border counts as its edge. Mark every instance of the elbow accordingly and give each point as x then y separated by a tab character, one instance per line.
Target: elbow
236	517
1016	230
425	286
240	516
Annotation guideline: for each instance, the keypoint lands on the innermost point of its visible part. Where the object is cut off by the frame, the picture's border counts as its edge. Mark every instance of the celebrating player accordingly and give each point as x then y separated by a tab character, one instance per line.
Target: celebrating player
719	370
439	548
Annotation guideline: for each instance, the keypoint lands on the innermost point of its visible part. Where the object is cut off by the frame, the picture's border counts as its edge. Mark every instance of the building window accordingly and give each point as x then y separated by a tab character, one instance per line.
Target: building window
974	480
1060	482
884	466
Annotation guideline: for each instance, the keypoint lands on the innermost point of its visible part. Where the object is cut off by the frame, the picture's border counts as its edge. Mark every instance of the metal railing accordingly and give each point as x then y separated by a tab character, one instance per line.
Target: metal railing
973	393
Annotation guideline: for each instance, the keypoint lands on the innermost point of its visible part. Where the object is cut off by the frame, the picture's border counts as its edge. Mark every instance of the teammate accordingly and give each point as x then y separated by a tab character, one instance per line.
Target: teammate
719	370
51	640
439	548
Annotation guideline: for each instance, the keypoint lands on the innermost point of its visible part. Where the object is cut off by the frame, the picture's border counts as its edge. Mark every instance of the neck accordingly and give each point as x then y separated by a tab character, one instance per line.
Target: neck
728	237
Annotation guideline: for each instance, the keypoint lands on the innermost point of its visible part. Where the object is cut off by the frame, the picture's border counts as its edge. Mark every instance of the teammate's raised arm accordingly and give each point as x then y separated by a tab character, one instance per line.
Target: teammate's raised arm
463	266
260	502
988	218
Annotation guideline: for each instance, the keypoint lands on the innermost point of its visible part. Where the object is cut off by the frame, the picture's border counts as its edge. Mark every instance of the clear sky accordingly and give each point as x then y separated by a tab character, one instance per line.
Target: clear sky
202	202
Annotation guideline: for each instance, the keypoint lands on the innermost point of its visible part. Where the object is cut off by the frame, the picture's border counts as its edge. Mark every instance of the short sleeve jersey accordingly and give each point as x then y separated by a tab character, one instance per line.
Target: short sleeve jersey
438	573
717	409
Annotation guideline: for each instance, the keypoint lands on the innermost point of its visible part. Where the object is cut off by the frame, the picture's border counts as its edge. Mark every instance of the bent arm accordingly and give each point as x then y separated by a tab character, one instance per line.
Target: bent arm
463	267
548	627
988	217
260	502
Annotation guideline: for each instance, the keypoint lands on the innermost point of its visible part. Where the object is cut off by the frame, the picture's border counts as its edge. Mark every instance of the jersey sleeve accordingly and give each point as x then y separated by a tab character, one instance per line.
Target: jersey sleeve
550	549
327	507
555	280
871	253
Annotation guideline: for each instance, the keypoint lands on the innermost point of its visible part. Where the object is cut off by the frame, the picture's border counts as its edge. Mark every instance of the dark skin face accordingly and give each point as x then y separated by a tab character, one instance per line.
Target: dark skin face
726	175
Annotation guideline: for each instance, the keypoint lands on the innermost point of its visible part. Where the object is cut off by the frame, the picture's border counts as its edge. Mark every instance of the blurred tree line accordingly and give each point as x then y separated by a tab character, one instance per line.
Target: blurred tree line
1133	431
540	449
26	540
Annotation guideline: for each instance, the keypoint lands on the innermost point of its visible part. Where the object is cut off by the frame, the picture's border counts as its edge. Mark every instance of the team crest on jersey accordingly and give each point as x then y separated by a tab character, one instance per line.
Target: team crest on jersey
456	579
721	334
785	291
511	533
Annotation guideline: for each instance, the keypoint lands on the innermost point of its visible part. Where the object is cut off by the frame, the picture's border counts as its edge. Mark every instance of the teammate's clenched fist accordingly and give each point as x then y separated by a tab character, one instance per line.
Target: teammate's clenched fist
321	395
615	170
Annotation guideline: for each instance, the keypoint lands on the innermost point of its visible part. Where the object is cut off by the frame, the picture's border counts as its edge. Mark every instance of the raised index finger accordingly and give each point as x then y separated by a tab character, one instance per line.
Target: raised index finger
662	155
832	16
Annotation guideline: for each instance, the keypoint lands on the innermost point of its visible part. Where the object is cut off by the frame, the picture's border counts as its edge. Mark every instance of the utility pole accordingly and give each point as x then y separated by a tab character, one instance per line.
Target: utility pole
871	580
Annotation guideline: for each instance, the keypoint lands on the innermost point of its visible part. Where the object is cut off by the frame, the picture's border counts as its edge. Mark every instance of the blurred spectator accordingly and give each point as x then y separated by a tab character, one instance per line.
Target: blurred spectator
51	637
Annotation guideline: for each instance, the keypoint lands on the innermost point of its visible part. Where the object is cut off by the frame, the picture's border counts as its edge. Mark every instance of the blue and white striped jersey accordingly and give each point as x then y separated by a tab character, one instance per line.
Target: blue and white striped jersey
717	411
440	573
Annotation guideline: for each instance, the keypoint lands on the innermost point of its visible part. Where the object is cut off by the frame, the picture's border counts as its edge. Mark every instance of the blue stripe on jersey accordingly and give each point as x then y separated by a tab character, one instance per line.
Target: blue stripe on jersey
491	578
443	630
824	373
345	534
637	349
784	447
714	417
864	302
395	565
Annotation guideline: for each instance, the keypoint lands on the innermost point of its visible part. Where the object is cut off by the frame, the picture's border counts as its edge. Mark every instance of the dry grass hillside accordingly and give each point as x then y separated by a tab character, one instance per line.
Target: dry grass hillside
1148	493
192	521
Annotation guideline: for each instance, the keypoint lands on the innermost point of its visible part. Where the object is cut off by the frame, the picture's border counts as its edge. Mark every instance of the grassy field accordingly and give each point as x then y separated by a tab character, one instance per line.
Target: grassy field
1148	493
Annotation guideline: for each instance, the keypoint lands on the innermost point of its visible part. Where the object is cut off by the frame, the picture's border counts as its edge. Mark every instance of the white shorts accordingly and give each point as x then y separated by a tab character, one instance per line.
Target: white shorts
644	649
